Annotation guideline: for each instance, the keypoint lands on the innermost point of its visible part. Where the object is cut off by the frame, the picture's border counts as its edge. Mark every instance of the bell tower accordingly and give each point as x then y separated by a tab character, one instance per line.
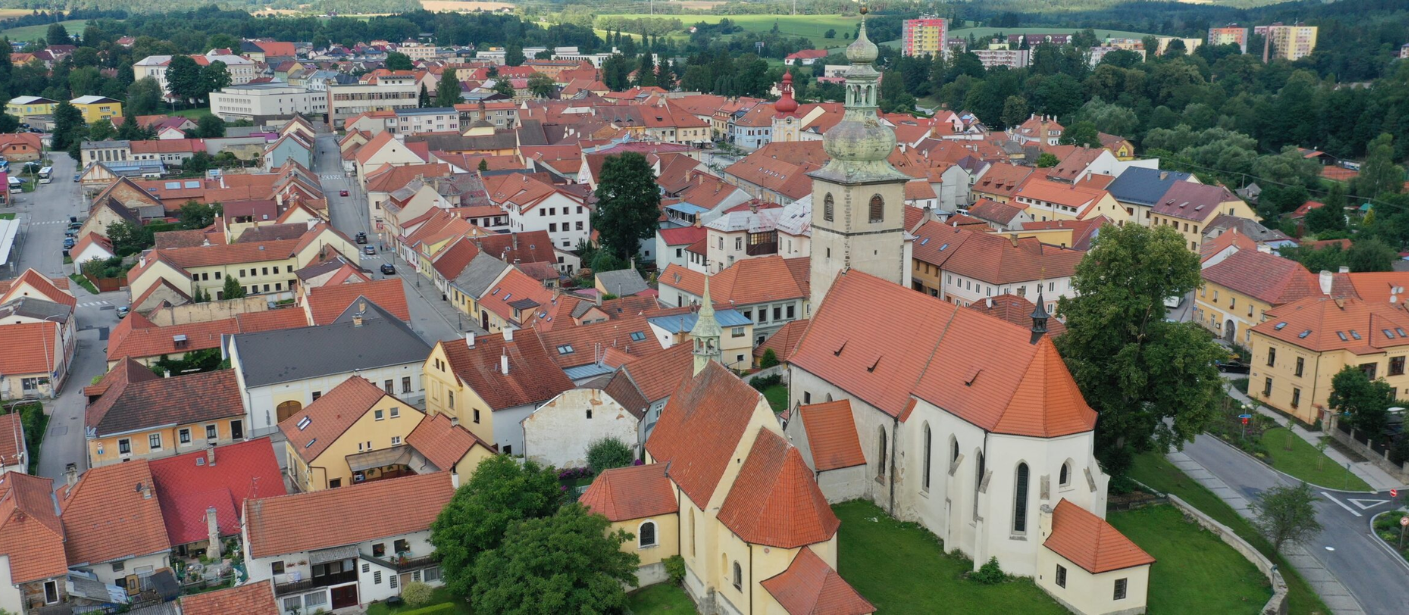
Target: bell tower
858	198
787	122
706	333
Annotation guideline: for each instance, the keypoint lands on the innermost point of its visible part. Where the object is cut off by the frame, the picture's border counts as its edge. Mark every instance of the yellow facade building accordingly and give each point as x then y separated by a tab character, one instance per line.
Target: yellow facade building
135	414
1301	347
25	106
1238	292
96	108
1190	207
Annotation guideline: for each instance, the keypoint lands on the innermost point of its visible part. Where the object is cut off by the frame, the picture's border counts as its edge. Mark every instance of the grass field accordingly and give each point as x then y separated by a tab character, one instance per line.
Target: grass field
777	397
439	596
662	598
194	114
30	33
1154	470
981	33
902	568
1301	462
1196	572
813	27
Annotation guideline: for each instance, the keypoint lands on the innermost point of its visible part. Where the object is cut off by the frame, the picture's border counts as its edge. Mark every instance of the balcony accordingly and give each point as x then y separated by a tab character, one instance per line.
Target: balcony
761	249
294	587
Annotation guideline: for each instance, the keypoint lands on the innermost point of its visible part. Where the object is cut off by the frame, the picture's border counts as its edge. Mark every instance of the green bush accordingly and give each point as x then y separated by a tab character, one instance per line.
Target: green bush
769	359
1241	384
416	593
609	453
444	607
675	567
990	573
766	382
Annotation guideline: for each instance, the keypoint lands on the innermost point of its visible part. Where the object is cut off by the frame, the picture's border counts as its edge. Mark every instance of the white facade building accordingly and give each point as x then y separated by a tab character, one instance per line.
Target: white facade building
263	102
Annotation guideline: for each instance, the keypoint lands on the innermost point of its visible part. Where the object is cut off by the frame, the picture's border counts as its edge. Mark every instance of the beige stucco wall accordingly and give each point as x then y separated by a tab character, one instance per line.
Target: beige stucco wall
559	432
104	451
331	464
445	394
1093	594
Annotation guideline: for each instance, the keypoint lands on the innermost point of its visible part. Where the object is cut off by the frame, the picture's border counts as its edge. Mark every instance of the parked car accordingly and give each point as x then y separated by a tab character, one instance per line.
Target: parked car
75	225
76	176
68	242
361	238
70	233
342	193
1233	367
73	219
122	312
388	269
369	251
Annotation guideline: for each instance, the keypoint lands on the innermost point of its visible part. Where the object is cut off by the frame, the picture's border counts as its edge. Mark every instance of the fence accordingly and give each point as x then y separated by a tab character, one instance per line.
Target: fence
107	285
1376	452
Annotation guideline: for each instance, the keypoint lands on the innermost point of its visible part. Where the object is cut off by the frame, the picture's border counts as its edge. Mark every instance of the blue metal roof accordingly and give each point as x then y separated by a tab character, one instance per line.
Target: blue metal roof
687	208
591	370
683	323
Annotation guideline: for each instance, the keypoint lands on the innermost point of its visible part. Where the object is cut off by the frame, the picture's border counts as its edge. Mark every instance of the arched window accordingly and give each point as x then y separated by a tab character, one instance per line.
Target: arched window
738	577
953	449
878	206
881	456
828	207
926	483
978	479
692	532
1064	477
647	534
288	409
1020	501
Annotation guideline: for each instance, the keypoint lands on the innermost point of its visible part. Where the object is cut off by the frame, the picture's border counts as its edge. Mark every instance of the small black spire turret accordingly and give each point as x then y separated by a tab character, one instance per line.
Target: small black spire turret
1039	318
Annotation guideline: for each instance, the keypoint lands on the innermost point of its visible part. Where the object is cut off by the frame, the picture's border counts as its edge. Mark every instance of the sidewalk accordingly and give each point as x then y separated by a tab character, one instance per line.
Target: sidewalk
1335	595
1378	479
424	287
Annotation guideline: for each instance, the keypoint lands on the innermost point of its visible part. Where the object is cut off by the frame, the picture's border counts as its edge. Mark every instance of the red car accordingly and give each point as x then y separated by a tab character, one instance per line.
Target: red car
342	193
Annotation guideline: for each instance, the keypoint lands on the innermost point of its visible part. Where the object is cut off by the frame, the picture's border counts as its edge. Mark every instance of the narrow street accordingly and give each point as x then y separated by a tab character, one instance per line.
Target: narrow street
45	213
431	317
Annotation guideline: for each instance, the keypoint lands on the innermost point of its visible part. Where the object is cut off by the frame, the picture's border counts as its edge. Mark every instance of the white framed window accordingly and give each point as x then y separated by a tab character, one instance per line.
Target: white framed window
395	440
154	441
184	436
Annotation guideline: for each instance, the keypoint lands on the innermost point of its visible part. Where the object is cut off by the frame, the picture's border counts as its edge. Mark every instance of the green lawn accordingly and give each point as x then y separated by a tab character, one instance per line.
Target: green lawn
441	594
661	598
777	397
902	568
1196	572
1301	462
9	216
194	114
1157	472
812	27
31	33
82	281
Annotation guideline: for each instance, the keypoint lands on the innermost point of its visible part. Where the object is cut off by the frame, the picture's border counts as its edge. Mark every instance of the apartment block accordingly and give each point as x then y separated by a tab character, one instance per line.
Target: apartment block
924	37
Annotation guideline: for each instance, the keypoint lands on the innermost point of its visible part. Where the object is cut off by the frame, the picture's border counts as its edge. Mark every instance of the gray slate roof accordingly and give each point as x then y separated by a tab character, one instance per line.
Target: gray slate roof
1144	186
39	309
622	282
288	355
479	275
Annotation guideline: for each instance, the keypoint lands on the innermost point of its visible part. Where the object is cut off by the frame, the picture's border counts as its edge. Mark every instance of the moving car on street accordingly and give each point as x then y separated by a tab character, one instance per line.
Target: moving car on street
369	251
388	269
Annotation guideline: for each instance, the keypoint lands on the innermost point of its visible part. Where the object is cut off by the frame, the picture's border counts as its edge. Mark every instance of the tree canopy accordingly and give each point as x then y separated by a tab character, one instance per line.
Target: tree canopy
628	204
1365	402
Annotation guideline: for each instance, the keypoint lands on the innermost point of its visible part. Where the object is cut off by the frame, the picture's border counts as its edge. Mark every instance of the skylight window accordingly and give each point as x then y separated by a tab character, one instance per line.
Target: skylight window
304	423
1341	334
1389	334
1400	332
1304	334
565	349
310	443
1355	334
943	247
637	336
1280	326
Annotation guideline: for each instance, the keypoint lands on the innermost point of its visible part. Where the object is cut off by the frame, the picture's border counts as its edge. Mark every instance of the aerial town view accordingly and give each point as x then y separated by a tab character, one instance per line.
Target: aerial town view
540	307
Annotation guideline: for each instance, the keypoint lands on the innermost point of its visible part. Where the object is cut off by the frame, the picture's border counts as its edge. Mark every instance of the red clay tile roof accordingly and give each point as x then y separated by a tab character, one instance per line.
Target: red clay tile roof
442	443
1016	310
587	342
404	505
187	485
622	494
252	599
331	415
452	259
105	517
1091	543
682	236
699	429
533	377
11	439
1193	201
1230	238
998	259
746	282
774	500
1376	286
28	346
992	211
1001	179
980	369
128	406
1320	323
831	435
783	341
658	375
30	531
46	287
810	587
326	303
1265	277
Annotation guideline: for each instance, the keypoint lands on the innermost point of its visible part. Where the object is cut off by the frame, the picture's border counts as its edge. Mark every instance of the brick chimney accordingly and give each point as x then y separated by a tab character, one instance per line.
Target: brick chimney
212	527
210	456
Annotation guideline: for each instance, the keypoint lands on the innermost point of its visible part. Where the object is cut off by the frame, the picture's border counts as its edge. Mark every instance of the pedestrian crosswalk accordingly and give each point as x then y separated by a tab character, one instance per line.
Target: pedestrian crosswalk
48	222
93	303
331	176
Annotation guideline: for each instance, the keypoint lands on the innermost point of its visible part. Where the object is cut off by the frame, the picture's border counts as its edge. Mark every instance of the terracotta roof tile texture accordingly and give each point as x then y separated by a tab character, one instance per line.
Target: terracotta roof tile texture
46	287
179	400
106	517
533	376
330	416
783	341
746	282
774	500
589	341
252	599
28	346
1321	323
1091	543
11	438
699	429
442	443
810	587
187	485
1265	277
30	530
636	492
831	435
1016	310
404	505
326	303
658	375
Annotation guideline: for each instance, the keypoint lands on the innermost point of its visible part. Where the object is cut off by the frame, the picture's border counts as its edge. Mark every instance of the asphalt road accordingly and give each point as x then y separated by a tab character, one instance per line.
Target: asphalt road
431	318
46	212
1377	578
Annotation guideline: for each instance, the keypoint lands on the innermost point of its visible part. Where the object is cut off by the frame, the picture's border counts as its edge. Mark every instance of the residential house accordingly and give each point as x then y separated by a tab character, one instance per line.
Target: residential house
202	493
533	205
490	383
1050	200
21	147
138	338
673	327
976	266
342	561
1000	216
94	108
644	386
281	372
590	350
1140	189
559	432
135	414
113	525
250	598
14	453
999	182
771	291
1189	207
32	557
355	433
1238	291
1040	130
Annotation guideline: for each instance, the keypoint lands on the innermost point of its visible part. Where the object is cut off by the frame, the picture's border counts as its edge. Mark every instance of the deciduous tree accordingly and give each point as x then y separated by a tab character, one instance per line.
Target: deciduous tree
1379	174
608	453
396	60
628	204
143	97
541	85
1366	401
210	127
1286	515
1152	382
214	77
183	78
447	90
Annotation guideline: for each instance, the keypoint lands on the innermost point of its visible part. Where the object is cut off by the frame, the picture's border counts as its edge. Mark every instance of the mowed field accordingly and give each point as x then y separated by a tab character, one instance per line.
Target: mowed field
458	6
812	27
982	33
29	33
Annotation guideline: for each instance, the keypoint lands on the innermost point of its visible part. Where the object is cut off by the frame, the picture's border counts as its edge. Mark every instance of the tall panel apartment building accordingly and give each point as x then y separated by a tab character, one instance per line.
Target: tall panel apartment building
924	36
390	92
1229	34
1291	43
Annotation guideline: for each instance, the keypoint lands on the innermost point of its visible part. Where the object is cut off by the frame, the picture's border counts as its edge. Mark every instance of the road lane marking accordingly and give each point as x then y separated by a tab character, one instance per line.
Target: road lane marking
1341	504
1362	503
